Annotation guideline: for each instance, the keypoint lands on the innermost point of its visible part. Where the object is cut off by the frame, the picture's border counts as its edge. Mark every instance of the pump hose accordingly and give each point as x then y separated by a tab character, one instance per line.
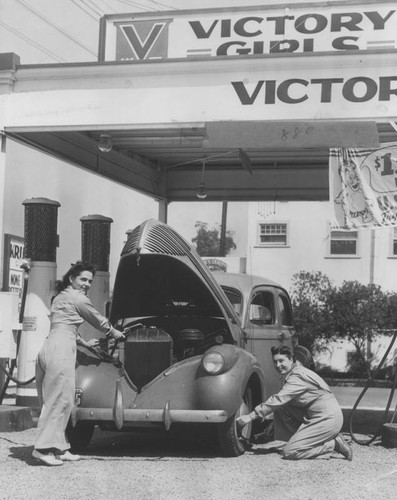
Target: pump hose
366	387
13	379
8	374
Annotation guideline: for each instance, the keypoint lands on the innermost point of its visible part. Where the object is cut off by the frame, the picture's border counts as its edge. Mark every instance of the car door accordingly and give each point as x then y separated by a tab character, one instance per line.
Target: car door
268	323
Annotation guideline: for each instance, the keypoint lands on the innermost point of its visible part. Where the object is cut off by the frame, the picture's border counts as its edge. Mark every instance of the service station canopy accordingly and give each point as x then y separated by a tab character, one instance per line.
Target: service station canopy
246	100
242	160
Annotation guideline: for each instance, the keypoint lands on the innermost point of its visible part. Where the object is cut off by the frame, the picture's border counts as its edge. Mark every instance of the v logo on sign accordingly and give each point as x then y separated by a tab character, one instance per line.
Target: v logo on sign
141	48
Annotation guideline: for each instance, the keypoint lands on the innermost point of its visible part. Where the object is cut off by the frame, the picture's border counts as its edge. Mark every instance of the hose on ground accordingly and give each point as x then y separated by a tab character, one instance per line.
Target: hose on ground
370	440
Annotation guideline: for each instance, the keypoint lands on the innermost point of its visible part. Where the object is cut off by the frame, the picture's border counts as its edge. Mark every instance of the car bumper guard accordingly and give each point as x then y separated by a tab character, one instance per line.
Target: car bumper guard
120	415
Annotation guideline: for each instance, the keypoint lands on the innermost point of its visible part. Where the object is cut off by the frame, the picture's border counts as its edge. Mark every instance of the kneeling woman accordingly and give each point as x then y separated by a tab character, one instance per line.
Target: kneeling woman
306	412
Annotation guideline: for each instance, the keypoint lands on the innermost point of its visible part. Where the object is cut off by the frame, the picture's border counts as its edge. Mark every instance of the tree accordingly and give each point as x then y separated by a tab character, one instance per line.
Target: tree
207	241
358	312
353	312
310	294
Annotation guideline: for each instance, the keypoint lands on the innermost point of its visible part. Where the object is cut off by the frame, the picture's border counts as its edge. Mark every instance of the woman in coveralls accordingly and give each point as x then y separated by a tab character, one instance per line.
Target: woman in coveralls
306	413
55	364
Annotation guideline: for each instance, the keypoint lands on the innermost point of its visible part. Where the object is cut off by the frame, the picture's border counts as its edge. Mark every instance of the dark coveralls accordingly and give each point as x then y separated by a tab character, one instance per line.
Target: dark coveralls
306	415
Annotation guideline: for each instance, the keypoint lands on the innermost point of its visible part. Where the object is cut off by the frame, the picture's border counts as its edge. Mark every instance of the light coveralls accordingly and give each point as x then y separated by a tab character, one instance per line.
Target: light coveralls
55	365
306	414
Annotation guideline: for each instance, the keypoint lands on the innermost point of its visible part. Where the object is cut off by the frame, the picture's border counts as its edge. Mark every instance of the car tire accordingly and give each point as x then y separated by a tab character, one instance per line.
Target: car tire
231	444
80	435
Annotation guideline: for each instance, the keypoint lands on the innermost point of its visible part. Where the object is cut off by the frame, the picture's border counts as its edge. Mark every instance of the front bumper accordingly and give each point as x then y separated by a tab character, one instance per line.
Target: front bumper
166	416
141	416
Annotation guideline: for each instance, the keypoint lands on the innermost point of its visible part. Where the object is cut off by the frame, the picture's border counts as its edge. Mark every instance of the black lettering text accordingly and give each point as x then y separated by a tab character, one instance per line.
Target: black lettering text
385	90
240	28
348	20
283	91
320	23
340	43
326	87
348	90
377	20
243	95
199	31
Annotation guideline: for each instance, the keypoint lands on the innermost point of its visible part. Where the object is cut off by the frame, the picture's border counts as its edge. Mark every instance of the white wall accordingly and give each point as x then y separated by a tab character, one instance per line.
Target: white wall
32	174
308	248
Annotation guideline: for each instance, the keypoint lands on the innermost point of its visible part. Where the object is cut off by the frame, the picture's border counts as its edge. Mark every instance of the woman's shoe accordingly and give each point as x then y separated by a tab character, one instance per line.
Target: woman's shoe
343	448
46	458
66	456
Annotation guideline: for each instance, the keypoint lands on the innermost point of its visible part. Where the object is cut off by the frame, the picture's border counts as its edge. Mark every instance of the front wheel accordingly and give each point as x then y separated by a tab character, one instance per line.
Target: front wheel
231	444
80	435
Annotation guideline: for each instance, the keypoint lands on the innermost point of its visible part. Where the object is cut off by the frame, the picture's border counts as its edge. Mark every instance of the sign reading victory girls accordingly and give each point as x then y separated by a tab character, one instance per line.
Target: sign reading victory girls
363	186
248	31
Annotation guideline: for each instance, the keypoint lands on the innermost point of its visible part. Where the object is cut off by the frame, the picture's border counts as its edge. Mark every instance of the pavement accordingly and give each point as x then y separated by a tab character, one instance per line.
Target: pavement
368	416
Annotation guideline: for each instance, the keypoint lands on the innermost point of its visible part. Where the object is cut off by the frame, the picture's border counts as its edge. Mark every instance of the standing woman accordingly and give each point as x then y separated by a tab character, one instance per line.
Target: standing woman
55	364
306	412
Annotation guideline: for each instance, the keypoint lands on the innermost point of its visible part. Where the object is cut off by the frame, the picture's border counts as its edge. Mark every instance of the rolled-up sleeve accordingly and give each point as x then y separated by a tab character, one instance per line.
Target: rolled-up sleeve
88	312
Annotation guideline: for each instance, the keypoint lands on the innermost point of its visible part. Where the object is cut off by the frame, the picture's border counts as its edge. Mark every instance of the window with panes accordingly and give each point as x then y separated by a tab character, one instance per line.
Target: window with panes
344	243
273	234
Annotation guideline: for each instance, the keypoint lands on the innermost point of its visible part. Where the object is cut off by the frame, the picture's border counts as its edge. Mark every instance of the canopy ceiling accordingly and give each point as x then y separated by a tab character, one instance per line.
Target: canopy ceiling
243	160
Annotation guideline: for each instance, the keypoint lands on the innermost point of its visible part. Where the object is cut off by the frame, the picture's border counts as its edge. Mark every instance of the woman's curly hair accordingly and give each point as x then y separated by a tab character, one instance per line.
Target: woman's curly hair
75	270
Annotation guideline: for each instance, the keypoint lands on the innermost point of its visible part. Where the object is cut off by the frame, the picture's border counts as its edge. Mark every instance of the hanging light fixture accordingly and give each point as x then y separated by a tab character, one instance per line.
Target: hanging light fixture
105	143
245	160
201	192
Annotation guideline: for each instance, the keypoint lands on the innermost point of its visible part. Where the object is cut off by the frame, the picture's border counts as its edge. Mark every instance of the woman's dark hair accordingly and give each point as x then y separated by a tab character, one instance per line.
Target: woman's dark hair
74	271
283	350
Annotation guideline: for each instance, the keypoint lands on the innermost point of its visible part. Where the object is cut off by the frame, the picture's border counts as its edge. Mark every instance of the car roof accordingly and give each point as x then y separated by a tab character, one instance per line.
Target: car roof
244	282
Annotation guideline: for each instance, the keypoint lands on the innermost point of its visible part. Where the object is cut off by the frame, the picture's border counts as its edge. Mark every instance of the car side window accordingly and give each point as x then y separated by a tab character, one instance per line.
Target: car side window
261	309
285	310
235	299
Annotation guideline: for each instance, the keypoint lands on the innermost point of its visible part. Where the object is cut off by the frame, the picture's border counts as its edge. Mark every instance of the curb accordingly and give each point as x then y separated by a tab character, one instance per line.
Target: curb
365	420
15	418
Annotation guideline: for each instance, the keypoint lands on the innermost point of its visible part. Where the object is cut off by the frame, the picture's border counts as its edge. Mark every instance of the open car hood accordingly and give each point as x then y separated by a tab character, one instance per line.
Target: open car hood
160	274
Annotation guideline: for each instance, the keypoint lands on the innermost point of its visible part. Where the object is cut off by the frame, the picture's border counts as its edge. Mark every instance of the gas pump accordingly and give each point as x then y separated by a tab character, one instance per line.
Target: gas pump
41	242
95	248
10	329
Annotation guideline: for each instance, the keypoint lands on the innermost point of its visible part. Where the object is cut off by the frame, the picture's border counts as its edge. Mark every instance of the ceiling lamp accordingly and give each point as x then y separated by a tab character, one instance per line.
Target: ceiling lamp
245	160
105	143
201	192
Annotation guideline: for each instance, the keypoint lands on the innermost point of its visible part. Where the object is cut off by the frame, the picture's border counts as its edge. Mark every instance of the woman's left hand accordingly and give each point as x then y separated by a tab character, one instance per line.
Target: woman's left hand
117	335
91	343
243	420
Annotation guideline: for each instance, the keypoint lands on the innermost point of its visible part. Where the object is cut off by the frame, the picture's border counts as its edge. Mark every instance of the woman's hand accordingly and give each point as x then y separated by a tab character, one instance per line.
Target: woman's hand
116	334
90	343
243	421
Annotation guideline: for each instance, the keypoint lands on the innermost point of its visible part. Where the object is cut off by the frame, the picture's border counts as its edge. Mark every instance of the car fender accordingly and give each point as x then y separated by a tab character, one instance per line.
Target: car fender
96	381
226	390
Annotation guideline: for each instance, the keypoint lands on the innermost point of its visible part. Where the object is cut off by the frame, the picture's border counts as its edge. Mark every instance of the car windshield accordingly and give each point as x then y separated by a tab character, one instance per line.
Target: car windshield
235	299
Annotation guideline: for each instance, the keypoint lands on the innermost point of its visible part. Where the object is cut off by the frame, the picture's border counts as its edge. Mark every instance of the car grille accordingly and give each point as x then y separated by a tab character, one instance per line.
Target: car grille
147	353
156	237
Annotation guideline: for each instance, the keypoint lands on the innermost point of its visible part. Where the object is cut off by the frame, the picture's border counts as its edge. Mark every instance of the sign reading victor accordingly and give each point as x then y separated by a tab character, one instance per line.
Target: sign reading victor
248	31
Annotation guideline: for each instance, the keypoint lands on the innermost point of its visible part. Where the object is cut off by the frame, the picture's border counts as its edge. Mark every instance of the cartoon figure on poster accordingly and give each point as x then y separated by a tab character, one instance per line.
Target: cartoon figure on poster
356	206
366	192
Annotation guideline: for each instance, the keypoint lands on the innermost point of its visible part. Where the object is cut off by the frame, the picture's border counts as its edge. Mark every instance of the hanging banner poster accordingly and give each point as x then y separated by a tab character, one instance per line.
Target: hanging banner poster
363	187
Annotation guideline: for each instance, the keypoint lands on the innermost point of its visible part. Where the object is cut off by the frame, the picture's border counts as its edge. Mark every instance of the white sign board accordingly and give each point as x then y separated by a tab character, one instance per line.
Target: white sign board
248	31
13	277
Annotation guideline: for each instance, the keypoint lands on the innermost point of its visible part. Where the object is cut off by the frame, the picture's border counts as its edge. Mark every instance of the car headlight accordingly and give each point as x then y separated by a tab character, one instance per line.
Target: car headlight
213	363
